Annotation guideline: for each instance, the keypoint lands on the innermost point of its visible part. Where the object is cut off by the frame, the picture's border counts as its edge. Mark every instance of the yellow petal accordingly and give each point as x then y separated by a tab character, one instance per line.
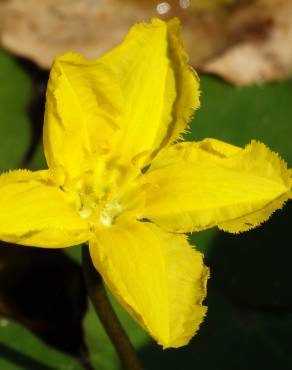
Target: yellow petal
132	101
82	112
194	186
160	90
33	211
157	276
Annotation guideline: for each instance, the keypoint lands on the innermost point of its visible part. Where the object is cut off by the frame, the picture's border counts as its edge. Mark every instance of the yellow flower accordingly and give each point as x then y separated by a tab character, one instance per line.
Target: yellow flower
118	180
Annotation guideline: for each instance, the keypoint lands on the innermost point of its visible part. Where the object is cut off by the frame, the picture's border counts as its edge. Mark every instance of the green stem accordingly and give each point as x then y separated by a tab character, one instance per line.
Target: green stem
107	316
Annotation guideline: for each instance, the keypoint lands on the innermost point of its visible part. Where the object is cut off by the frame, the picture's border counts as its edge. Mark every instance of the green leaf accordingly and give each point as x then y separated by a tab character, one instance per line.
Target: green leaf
238	115
38	161
15	90
253	269
230	338
101	351
21	350
74	253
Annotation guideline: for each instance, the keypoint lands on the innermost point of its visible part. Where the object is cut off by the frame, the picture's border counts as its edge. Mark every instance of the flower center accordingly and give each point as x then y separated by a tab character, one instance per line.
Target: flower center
100	206
103	194
109	213
99	210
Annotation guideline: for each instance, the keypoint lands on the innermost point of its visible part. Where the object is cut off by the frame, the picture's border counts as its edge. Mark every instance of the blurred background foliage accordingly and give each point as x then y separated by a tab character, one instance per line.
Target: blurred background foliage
46	322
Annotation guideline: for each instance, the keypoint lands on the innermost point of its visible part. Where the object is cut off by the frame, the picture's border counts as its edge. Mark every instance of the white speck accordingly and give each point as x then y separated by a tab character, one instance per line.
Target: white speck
163	8
184	3
106	220
4	322
85	212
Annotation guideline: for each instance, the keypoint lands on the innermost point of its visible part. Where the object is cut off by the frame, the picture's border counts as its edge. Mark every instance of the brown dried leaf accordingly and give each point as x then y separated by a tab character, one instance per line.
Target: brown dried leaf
247	41
261	50
40	30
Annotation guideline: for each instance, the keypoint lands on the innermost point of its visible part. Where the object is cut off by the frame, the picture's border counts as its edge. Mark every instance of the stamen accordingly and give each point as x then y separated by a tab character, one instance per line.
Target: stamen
109	213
